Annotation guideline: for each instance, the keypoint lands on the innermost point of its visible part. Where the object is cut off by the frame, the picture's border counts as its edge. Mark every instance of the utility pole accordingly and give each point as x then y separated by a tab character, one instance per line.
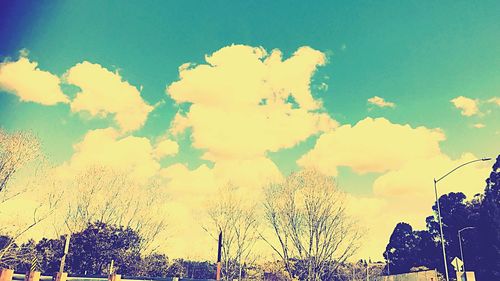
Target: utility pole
461	251
441	232
388	264
445	261
219	255
66	249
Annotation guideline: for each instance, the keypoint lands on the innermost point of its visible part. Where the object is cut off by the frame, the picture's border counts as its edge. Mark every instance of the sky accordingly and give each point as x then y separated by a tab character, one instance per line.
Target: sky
382	95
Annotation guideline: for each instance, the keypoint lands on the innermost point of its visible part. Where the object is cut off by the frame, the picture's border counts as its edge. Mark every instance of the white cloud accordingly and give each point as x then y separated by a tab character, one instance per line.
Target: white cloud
104	92
408	159
376	222
179	124
105	147
250	174
479	125
323	86
193	186
405	182
407	194
190	191
245	102
372	145
380	102
189	185
165	148
467	106
24	79
495	100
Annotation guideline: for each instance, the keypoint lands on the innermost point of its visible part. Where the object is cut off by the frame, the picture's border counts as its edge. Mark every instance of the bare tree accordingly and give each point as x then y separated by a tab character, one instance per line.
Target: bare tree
112	197
307	215
43	209
19	150
16	151
230	213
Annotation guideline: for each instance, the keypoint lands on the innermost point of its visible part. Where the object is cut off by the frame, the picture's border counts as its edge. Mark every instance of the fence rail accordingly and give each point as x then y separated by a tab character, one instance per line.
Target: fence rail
21	277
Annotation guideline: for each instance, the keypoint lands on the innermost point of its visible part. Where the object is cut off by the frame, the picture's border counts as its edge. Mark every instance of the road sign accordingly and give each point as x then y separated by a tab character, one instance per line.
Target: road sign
457	264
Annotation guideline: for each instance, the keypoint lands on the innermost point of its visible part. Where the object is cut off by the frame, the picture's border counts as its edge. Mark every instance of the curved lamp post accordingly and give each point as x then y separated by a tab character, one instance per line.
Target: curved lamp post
439	209
461	252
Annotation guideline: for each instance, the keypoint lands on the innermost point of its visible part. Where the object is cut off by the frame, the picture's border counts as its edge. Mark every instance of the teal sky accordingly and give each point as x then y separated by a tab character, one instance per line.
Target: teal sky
416	54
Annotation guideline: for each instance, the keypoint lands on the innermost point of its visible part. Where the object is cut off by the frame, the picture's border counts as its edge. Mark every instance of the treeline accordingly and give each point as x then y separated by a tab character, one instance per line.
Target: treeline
410	250
91	252
302	210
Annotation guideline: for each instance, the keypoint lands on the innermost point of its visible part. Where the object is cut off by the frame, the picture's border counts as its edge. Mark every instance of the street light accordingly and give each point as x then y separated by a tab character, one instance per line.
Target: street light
461	252
439	209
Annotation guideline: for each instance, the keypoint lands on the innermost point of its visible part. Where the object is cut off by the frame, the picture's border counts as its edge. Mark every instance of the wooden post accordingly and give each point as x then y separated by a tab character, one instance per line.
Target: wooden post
61	276
32	276
111	268
115	277
6	274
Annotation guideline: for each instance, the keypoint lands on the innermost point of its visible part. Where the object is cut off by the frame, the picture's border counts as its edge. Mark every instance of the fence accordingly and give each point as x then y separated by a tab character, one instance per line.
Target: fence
427	275
22	277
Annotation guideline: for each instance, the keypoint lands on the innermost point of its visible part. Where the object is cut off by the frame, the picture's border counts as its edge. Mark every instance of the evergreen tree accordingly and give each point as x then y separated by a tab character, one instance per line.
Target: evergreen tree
408	248
489	227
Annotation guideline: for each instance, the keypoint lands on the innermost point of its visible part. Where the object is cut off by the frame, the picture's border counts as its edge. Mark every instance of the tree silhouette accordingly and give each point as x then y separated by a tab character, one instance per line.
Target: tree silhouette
455	215
481	243
489	227
93	249
408	248
155	265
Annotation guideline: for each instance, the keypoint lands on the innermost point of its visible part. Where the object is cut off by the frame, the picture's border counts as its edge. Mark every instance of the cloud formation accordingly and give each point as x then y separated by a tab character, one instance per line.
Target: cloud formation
468	107
243	103
406	158
407	194
104	92
380	102
166	147
105	147
479	125
407	183
24	79
246	102
372	145
495	100
191	189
